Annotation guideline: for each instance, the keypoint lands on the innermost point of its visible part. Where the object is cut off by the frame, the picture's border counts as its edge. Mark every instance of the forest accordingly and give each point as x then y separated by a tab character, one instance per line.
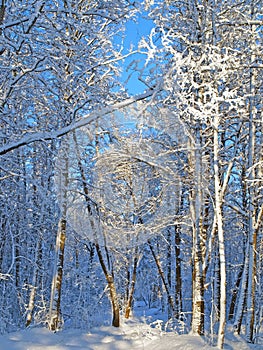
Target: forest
113	201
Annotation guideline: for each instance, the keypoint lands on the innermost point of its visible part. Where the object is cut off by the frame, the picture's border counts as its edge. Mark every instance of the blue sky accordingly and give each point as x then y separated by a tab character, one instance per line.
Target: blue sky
134	32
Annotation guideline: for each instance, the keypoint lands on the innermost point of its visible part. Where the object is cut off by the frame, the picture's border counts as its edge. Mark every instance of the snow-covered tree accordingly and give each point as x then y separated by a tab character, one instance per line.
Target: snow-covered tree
203	74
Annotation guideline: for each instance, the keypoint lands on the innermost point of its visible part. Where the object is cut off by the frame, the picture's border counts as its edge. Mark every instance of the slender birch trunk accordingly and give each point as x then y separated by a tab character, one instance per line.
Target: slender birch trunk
251	271
162	275
132	286
195	209
169	266
56	288
178	285
221	243
31	303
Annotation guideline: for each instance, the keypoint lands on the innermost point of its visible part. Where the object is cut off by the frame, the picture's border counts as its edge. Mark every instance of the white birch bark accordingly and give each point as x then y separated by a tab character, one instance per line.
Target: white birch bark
197	278
31	303
56	287
131	290
219	219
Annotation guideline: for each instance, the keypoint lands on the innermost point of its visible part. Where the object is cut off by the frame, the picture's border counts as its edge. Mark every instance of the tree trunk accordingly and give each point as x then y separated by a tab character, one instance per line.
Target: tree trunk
221	243
2	14
242	294
31	302
112	289
56	289
169	266
195	211
234	296
132	287
161	273
178	285
55	302
216	284
114	301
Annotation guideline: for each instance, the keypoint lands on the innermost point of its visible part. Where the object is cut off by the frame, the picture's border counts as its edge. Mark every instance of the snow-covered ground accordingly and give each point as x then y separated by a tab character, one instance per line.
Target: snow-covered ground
131	335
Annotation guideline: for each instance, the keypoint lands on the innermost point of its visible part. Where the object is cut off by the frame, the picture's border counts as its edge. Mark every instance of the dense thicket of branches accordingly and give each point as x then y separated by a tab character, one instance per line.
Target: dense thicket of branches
159	202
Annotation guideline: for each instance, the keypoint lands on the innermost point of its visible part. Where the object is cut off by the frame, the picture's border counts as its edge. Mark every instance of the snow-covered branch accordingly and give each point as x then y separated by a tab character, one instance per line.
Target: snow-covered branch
41	136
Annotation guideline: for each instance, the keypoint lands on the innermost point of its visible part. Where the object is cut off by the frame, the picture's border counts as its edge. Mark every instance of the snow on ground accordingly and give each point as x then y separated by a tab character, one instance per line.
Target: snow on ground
104	338
131	335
